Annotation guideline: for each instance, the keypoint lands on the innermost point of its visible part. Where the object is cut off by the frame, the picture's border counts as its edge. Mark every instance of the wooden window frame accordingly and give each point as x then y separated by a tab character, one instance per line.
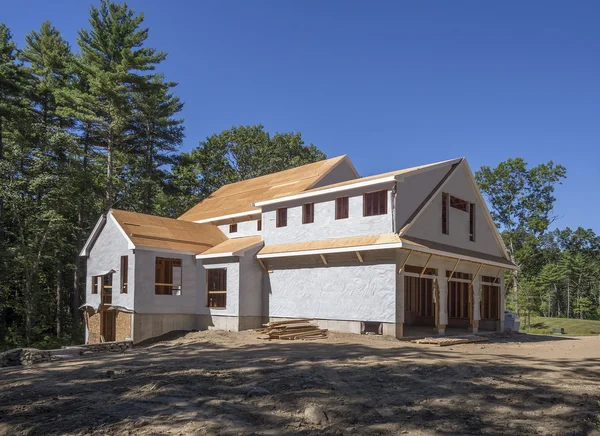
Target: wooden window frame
342	208
259	225
96	280
216	293
233	228
168	288
107	284
308	213
445	214
375	203
472	222
124	274
281	217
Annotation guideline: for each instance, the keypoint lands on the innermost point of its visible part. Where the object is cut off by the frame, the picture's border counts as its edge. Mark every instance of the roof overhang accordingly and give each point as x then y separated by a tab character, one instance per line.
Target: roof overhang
85	251
402	245
357	185
228	217
238	253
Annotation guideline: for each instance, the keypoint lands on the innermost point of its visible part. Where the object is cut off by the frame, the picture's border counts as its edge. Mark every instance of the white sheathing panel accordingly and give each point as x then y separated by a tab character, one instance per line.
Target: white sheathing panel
352	293
251	285
105	255
413	191
429	224
146	300
245	228
325	226
232	265
341	173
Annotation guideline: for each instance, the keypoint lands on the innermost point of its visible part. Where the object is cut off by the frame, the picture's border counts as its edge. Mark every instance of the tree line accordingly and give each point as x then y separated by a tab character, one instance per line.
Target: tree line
88	129
83	130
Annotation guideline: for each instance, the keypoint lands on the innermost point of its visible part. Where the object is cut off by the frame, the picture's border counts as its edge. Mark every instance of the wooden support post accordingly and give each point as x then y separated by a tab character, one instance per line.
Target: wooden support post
454	269
404	263
360	258
475	276
426	265
262	265
323	259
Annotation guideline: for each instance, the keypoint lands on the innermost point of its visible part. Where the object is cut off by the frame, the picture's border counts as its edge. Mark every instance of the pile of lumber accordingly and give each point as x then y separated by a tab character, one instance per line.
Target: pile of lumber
453	340
293	329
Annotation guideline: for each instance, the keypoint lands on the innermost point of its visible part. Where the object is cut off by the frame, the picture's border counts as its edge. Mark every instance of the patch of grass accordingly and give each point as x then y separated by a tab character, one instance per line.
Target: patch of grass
573	327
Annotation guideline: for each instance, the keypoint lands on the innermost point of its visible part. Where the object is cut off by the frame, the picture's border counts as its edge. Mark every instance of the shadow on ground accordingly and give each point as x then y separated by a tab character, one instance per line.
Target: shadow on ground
209	386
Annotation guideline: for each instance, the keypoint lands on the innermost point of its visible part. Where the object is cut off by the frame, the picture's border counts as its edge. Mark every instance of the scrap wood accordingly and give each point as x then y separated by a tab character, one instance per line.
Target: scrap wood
446	341
292	329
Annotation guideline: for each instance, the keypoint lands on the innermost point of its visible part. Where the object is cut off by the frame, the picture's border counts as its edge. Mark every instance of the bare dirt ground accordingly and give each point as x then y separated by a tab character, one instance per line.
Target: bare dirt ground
233	383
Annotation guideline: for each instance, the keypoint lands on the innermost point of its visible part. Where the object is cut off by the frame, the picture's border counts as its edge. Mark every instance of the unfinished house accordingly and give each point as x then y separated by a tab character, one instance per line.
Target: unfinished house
403	253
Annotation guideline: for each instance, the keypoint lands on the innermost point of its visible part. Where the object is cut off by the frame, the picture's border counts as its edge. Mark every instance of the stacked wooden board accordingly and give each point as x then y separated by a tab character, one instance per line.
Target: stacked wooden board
293	329
453	340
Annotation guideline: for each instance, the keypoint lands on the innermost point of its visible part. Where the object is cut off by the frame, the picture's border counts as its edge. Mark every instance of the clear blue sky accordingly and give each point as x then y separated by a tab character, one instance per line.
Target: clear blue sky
391	84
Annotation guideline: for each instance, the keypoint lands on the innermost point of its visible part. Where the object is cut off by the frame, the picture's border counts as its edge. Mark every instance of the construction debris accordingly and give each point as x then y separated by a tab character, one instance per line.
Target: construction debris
293	329
454	340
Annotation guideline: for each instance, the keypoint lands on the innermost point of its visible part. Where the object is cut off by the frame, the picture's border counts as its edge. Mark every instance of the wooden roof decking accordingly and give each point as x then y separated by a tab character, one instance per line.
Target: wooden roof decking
239	197
233	247
157	232
380	242
326	244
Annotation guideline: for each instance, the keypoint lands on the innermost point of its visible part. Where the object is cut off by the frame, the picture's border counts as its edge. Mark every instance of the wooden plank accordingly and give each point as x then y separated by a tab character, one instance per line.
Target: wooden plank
360	258
454	269
262	265
426	265
404	263
323	259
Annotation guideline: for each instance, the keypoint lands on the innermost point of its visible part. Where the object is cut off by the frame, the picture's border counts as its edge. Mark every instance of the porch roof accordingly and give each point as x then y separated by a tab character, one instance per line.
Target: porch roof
232	247
380	242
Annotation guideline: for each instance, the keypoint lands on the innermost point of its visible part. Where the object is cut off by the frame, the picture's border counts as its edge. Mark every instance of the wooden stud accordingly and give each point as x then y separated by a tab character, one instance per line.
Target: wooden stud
426	264
454	269
360	258
323	259
404	263
262	265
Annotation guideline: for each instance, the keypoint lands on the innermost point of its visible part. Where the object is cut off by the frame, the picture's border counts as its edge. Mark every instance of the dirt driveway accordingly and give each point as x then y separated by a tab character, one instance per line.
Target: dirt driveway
233	383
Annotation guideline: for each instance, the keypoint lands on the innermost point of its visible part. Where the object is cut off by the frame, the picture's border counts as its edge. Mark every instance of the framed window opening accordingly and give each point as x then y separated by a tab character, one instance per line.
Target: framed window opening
216	288
459	204
458	299
124	273
233	228
308	213
415	271
258	225
445	217
375	203
167	276
107	280
341	208
281	220
490	302
96	284
472	222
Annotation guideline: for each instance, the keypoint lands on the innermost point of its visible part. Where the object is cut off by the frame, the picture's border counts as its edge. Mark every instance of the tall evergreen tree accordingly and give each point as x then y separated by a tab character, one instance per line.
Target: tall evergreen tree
113	60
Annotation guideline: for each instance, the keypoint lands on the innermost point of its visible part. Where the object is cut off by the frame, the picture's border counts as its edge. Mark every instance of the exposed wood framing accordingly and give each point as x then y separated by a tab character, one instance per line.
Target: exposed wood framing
426	265
360	258
404	263
475	276
262	265
454	269
323	259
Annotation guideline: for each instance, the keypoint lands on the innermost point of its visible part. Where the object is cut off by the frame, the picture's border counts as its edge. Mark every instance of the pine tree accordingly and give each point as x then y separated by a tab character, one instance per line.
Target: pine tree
113	59
157	134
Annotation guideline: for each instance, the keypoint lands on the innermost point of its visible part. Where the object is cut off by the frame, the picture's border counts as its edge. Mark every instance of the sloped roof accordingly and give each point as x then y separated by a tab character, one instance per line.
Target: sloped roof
337	243
167	233
349	184
233	247
239	197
